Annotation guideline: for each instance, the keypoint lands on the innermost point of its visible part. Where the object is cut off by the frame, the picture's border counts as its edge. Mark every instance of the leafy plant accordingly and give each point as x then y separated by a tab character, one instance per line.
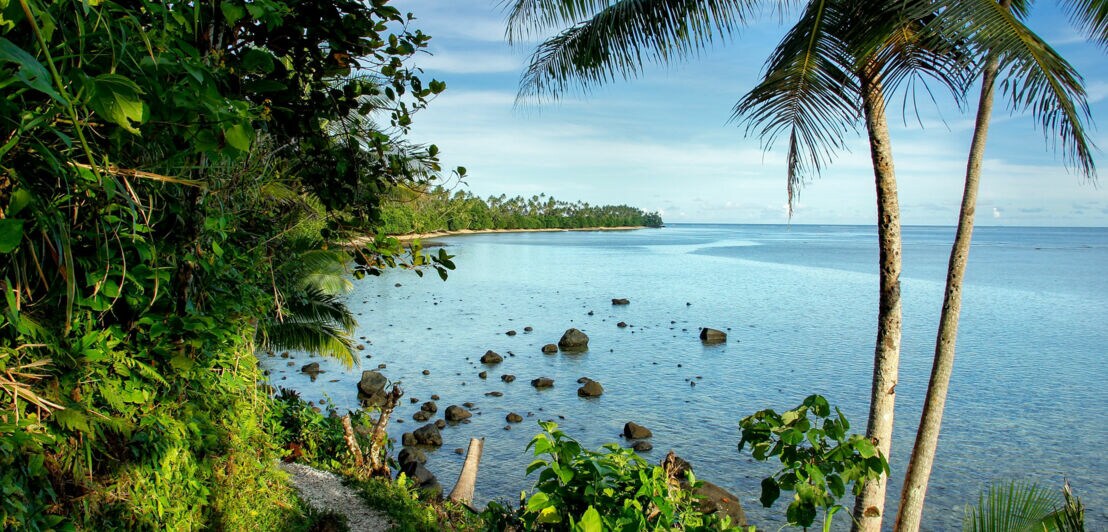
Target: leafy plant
1019	506
580	489
819	460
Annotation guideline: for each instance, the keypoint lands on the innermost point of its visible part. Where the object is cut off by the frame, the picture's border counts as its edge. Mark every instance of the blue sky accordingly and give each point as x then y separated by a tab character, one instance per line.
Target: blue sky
663	142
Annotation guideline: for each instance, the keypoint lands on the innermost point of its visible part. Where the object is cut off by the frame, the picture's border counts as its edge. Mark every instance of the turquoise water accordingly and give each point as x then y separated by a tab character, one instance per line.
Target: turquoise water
1028	396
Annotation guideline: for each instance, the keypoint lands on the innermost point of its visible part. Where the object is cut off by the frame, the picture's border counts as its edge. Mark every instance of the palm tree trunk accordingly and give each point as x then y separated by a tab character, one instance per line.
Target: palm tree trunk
869	505
910	509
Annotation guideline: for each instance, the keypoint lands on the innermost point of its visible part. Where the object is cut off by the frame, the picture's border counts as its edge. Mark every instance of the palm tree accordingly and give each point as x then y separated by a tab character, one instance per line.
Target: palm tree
1039	80
835	64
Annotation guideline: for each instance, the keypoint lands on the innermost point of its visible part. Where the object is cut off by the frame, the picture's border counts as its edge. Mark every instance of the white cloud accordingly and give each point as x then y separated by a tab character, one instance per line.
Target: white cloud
469	62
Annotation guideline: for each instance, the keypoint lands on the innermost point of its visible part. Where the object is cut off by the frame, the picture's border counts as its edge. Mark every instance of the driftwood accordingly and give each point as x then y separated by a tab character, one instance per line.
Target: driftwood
463	489
378	466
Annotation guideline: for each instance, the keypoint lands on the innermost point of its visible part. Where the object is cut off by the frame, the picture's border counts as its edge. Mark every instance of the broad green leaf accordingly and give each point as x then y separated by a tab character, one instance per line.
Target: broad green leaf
231	12
590	521
770	492
865	448
20	199
239	136
30	72
117	99
11	233
256	60
537	502
792	437
549	515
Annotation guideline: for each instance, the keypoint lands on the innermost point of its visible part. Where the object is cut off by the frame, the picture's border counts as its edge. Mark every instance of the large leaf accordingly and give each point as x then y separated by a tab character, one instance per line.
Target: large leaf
30	72
118	100
11	233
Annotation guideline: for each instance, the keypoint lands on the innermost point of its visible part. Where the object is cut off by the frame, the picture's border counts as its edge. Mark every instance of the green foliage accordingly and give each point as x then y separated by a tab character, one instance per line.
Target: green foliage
423	211
1017	506
169	203
580	489
819	460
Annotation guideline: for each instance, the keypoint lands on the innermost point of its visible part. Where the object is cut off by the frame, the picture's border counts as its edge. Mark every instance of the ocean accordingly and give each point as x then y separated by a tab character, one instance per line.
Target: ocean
1028	397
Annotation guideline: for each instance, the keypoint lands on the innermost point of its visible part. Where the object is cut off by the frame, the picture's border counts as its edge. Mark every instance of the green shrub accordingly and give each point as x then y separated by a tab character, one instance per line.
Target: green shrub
580	489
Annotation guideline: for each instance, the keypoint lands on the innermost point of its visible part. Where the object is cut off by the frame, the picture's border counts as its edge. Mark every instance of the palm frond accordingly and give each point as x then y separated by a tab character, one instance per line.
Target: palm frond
808	93
1092	17
321	270
620	38
313	321
1011	507
1034	76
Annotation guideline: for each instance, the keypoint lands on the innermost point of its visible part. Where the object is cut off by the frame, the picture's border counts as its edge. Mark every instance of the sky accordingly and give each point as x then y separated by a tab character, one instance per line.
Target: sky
664	142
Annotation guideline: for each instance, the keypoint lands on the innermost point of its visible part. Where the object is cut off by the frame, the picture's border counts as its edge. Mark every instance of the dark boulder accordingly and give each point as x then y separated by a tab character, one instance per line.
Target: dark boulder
634	431
642	446
574	340
483	374
621	324
455	413
427	435
712	336
528	329
620	301
507	378
311	368
494	394
421	416
513	417
440	424
550	349
429	407
542	382
716	500
371	388
409	454
491	357
591	388
510	333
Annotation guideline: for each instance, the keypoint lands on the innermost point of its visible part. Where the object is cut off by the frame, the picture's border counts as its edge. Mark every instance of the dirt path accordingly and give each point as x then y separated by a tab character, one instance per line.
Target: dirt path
325	491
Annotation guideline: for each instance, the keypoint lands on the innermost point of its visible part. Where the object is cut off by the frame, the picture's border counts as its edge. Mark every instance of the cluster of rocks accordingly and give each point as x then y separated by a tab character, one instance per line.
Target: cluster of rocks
412	463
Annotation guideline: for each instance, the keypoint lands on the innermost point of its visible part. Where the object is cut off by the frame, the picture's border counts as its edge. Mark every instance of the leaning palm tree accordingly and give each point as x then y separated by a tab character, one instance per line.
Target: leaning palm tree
834	66
1037	79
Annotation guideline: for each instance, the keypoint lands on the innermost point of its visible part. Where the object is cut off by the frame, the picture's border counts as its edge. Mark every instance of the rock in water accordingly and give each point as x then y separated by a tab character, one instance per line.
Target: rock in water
513	417
712	336
642	446
716	500
508	378
620	301
409	454
421	416
542	382
491	357
634	431
430	407
427	435
311	368
549	349
591	388
371	388
456	413
574	340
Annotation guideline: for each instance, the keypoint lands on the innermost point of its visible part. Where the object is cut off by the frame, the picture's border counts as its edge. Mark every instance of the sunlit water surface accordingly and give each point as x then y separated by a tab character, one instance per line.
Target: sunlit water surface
1028	397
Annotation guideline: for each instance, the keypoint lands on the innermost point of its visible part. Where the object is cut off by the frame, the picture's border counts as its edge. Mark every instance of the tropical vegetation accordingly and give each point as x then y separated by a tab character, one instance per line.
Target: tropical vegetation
174	179
406	211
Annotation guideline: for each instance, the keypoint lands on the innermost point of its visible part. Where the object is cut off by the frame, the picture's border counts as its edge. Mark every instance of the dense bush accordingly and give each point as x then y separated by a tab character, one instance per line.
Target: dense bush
580	489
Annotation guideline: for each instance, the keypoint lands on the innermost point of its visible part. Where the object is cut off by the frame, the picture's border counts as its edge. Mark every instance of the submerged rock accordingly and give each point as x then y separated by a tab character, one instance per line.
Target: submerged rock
542	382
455	413
513	417
507	378
429	407
620	301
634	431
642	446
409	454
550	349
712	336
311	368
591	388
428	435
421	416
491	357
573	340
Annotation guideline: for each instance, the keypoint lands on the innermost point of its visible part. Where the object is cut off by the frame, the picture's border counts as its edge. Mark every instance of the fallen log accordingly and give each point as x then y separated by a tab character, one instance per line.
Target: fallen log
463	489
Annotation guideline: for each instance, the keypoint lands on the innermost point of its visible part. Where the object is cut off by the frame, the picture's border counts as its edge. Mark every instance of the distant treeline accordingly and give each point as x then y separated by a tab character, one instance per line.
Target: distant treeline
441	210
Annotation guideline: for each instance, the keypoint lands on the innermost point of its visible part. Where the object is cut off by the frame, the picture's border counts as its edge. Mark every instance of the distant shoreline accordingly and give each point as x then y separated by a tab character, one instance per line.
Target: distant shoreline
435	234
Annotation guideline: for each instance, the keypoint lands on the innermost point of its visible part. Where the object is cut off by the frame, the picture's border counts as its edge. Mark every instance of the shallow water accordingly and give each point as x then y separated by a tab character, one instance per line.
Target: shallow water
1027	397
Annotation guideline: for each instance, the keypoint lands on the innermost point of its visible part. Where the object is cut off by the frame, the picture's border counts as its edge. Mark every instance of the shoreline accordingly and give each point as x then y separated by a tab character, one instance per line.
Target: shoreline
462	232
